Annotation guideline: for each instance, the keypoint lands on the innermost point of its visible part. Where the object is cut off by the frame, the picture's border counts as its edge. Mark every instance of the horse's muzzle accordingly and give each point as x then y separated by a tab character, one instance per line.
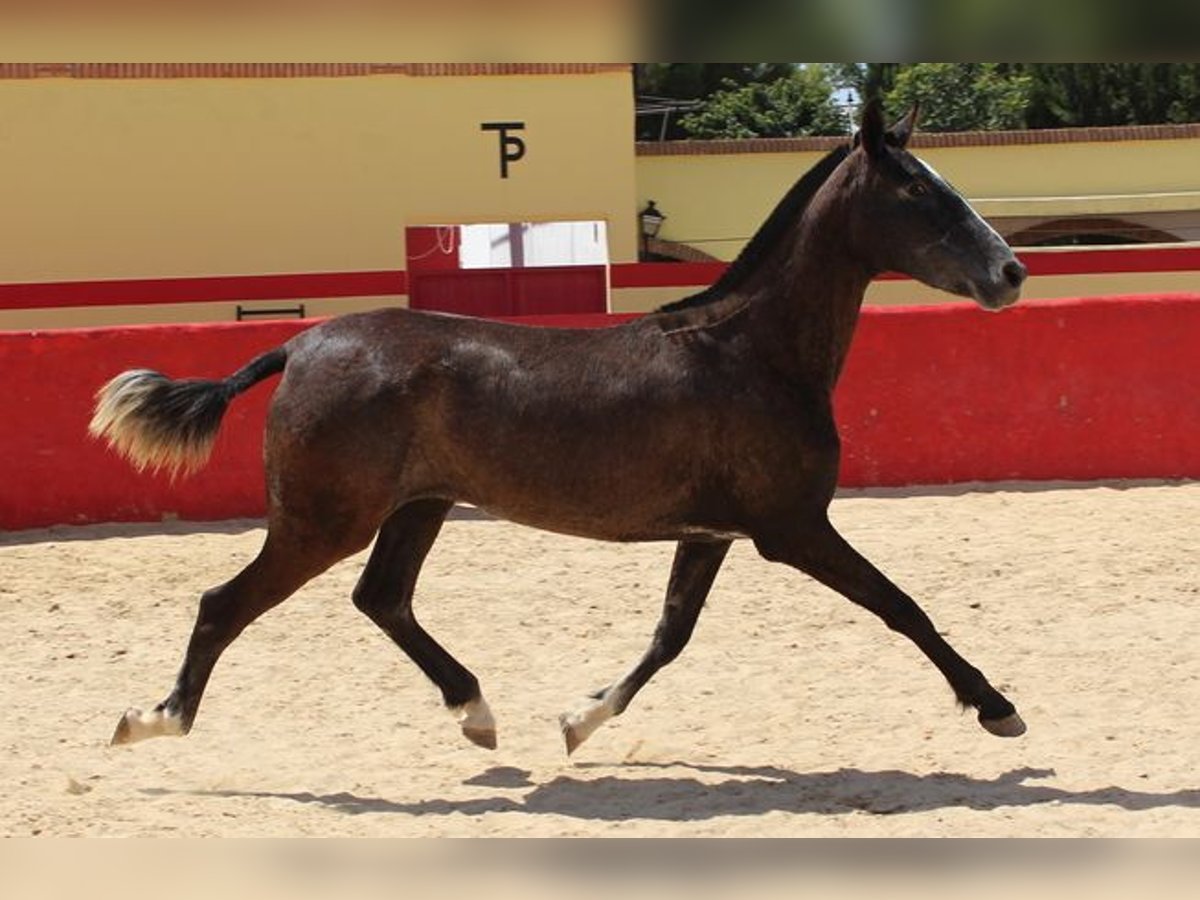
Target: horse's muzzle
1003	288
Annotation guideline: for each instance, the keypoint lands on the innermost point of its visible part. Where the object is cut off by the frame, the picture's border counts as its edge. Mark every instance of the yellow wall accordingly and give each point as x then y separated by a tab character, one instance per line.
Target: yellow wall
179	177
154	178
715	202
1092	168
165	313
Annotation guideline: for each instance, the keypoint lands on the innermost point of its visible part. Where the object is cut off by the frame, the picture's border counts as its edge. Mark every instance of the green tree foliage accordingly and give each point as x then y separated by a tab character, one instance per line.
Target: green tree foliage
984	96
1068	95
962	96
799	103
695	81
773	99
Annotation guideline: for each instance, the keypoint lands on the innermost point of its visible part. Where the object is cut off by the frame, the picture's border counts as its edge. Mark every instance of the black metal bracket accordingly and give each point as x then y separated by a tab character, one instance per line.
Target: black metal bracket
297	311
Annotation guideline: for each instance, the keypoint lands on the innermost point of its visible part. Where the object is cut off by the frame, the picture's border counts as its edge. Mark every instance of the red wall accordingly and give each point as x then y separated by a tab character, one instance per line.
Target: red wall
1100	388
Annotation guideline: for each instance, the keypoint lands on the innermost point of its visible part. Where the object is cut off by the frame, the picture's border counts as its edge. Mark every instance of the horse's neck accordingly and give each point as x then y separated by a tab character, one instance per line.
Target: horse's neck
807	297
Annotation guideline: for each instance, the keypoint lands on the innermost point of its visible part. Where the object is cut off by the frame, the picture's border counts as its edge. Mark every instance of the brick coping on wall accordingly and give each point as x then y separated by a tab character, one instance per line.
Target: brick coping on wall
927	139
135	71
292	70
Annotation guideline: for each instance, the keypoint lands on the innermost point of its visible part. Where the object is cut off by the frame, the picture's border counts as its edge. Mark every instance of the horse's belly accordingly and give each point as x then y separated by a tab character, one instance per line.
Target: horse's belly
603	527
612	506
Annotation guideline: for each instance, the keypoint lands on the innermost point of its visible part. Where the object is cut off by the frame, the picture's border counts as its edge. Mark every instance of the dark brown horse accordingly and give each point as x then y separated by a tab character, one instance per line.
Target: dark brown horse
708	420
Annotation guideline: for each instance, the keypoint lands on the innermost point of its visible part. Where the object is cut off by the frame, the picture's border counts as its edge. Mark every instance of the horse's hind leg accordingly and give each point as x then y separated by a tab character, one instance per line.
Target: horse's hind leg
282	566
825	555
692	575
385	593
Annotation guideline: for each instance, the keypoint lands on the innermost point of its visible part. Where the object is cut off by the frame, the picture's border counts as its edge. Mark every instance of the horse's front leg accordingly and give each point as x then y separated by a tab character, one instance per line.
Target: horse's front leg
692	573
821	552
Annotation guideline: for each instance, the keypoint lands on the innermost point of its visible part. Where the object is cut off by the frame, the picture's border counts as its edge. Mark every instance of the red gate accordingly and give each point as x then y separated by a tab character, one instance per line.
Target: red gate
540	291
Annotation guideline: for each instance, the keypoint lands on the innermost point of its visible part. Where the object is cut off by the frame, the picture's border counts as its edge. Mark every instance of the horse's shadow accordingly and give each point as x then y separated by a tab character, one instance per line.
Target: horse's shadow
747	791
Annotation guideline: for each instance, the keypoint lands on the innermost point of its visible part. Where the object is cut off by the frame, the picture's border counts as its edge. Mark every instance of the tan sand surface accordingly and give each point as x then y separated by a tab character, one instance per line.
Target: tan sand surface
792	712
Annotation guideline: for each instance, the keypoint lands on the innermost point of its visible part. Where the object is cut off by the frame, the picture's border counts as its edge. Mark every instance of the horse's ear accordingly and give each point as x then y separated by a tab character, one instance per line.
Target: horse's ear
872	132
900	133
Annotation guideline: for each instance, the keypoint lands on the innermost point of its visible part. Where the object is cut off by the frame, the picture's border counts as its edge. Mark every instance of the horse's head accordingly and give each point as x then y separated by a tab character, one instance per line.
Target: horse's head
916	224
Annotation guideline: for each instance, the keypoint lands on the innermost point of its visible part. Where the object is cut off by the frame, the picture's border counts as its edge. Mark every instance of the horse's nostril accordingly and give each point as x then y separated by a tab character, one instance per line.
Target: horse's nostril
1014	273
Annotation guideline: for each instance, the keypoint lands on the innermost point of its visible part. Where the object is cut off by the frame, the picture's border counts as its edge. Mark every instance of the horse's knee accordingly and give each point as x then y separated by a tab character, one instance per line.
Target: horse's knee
217	611
368	592
383	607
900	613
362	599
668	643
369	602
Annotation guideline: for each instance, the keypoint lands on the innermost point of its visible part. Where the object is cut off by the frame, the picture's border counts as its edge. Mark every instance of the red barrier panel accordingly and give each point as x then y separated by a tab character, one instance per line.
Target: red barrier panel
1075	390
55	473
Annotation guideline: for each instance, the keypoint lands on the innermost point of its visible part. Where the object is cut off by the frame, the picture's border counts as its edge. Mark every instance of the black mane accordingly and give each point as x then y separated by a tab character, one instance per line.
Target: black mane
782	217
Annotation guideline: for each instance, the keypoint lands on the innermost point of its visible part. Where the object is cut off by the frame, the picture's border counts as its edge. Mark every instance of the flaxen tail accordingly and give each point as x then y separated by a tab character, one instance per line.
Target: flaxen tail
158	423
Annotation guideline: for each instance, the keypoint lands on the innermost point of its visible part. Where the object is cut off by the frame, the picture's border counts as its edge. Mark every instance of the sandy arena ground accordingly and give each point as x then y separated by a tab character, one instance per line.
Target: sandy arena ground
792	712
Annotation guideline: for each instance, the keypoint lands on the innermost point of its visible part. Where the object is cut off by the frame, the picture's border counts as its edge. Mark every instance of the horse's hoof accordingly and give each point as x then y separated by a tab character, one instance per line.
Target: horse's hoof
481	737
572	737
124	731
136	726
1009	726
477	723
579	725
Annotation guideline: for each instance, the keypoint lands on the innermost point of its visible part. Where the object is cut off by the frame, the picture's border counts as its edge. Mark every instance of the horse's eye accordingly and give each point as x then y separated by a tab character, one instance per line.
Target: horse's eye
917	189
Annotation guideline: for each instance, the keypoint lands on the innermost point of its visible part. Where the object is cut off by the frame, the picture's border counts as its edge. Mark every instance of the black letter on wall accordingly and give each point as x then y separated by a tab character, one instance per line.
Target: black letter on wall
512	148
